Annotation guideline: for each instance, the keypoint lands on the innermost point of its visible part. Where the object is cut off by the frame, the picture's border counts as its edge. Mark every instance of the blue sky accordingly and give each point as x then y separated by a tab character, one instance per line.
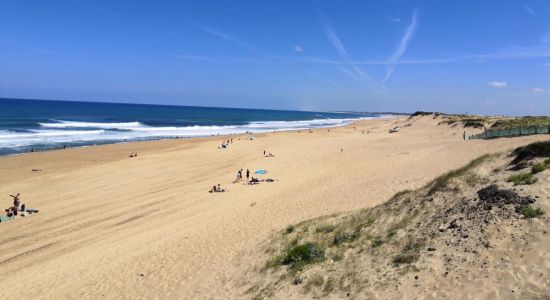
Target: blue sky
490	57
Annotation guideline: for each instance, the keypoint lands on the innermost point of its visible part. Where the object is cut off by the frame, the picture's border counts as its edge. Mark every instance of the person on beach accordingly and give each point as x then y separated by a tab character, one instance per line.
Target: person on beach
464	135
16	199
247	174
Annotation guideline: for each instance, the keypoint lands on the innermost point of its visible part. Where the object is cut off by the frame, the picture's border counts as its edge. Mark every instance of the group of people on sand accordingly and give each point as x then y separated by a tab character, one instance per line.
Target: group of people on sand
133	154
12	210
217	189
18	207
240	175
225	143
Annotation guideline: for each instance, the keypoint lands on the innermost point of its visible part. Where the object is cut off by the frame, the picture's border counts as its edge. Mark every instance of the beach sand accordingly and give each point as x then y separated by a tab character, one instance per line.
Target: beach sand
116	227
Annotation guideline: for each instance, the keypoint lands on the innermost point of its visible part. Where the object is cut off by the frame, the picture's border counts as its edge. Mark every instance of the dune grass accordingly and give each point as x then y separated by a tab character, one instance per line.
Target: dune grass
511	123
442	182
301	255
533	150
530	212
522	179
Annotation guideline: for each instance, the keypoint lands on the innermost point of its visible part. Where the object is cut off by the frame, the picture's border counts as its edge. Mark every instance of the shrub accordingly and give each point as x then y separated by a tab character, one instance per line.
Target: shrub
538	149
522	178
345	237
537	168
290	229
530	212
302	255
325	228
377	243
404	259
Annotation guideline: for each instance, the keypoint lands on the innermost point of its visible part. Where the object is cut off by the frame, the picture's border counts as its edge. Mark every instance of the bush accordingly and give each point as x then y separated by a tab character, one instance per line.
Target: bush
345	237
290	229
302	255
325	228
530	212
522	178
377	243
538	149
404	259
537	168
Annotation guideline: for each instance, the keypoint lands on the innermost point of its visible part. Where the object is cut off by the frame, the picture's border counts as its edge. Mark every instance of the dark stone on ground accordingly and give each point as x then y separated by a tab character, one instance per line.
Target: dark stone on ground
492	195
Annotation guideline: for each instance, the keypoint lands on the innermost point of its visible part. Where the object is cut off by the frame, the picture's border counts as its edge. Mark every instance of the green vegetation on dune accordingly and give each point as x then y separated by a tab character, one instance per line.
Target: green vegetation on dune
330	254
530	212
522	179
442	182
534	150
302	255
511	123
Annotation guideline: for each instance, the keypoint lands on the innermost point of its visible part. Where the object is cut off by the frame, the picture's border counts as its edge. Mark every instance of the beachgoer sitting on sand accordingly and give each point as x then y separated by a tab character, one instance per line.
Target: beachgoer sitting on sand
254	181
217	189
16	199
271	155
11	211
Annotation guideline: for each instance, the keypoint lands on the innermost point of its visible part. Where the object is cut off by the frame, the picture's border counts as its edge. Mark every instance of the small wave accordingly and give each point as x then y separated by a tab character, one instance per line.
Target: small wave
74	124
71	132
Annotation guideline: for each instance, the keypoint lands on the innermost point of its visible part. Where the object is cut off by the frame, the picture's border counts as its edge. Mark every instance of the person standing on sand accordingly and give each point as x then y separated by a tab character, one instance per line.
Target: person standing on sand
247	174
464	135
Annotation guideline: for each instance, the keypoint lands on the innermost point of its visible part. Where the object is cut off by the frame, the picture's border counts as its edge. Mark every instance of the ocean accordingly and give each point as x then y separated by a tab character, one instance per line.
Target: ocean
37	125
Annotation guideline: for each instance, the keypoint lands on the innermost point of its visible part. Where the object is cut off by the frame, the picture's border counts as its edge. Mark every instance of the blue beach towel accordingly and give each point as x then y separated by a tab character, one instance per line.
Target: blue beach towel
5	218
260	172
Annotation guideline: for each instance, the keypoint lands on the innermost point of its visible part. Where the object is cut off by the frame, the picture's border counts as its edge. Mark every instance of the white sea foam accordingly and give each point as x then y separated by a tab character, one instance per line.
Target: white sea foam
61	132
73	124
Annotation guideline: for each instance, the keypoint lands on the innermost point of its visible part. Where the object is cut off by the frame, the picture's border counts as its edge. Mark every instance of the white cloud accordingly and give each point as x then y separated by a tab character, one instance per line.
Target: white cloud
298	48
211	31
498	84
402	46
395	20
537	90
336	43
194	57
529	10
358	73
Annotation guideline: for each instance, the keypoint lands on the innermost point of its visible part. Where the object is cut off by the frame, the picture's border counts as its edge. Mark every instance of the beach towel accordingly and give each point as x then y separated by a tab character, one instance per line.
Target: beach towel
5	218
260	172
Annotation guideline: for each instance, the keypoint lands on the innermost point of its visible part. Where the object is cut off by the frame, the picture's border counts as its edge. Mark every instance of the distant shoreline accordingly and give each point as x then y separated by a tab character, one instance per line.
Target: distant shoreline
352	123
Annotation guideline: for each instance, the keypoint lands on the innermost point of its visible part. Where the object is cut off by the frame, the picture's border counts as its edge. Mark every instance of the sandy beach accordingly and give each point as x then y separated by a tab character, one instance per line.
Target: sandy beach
116	227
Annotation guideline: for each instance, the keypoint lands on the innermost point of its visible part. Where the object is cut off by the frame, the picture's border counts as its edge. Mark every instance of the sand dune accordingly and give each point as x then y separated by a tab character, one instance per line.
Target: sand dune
117	227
